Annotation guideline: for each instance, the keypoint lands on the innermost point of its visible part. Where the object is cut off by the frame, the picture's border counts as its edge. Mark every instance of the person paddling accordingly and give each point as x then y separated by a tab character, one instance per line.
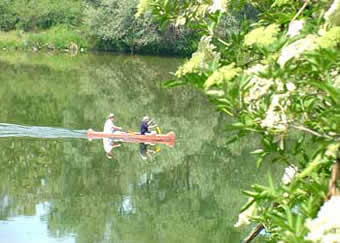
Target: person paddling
145	125
109	126
108	143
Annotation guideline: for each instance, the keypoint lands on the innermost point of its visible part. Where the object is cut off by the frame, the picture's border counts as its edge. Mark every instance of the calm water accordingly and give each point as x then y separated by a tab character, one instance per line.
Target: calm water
56	186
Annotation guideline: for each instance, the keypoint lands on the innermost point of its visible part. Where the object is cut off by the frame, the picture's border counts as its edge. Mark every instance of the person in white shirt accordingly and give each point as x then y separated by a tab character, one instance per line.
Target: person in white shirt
108	143
109	126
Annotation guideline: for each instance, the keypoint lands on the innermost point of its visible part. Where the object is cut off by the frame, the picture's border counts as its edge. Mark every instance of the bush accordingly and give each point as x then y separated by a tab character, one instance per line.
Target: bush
113	23
7	17
10	40
58	37
33	15
279	78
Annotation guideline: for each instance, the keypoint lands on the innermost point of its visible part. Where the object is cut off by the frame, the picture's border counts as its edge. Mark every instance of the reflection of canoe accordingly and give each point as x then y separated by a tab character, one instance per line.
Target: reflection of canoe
168	139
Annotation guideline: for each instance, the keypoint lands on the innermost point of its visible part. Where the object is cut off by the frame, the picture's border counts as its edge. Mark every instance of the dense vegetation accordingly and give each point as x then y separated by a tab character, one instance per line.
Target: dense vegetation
276	74
278	78
75	24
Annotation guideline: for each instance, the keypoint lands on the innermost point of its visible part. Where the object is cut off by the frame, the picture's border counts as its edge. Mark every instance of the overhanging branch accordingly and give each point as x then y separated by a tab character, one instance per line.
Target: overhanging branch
305	129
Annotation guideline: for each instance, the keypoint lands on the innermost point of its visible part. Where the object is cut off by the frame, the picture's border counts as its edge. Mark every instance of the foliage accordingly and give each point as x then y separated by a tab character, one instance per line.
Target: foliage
11	39
113	23
8	17
58	37
30	15
53	24
278	76
110	24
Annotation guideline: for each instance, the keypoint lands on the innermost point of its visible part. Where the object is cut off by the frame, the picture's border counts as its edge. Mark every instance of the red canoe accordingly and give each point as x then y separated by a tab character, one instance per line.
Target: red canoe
168	139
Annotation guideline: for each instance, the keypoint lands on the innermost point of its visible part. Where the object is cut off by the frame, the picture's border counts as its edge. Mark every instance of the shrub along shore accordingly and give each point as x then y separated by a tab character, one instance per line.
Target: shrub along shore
55	39
83	25
63	39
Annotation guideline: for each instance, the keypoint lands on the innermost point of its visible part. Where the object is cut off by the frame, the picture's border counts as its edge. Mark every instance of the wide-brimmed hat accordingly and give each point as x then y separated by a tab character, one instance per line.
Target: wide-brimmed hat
110	115
146	118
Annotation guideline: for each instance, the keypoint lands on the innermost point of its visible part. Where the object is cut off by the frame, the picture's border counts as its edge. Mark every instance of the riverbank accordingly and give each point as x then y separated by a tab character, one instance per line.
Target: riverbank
55	39
75	25
63	39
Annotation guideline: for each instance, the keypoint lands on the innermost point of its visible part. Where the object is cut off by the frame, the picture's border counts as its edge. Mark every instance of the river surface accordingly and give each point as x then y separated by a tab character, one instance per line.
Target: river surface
57	186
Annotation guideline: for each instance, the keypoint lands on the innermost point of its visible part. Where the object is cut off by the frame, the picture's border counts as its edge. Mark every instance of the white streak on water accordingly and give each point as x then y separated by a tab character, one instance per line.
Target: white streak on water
14	130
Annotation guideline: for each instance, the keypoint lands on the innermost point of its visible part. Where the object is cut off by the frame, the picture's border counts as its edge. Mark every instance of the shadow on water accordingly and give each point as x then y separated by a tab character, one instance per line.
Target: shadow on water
14	130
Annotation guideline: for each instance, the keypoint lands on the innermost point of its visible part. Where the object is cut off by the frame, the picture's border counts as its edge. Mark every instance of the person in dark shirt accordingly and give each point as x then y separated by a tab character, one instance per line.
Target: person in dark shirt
145	125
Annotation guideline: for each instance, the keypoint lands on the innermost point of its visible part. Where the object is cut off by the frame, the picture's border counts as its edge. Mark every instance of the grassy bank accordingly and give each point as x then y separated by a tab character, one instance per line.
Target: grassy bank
63	39
58	38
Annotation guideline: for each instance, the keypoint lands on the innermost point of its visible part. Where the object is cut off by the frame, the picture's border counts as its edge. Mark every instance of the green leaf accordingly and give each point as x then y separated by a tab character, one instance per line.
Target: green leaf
289	217
270	181
238	125
227	111
250	193
232	140
248	204
259	188
224	100
259	161
333	92
173	83
257	151
299	225
308	103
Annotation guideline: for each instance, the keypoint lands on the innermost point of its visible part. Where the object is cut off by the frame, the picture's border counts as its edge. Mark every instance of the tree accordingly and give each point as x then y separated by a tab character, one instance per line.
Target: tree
114	25
278	77
33	15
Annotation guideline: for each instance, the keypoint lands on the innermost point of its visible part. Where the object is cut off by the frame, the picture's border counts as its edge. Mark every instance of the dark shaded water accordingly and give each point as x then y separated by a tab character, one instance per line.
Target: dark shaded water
57	187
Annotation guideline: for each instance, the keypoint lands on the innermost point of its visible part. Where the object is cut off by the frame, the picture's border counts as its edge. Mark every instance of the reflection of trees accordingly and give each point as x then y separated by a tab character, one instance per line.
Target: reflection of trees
186	194
24	171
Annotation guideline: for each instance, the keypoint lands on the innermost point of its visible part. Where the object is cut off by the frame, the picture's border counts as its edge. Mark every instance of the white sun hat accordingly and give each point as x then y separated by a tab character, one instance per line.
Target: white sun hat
110	115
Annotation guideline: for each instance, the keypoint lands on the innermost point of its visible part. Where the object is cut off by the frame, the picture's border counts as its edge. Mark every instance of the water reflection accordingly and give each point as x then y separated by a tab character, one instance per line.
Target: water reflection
4	202
109	144
33	229
188	194
147	151
127	206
